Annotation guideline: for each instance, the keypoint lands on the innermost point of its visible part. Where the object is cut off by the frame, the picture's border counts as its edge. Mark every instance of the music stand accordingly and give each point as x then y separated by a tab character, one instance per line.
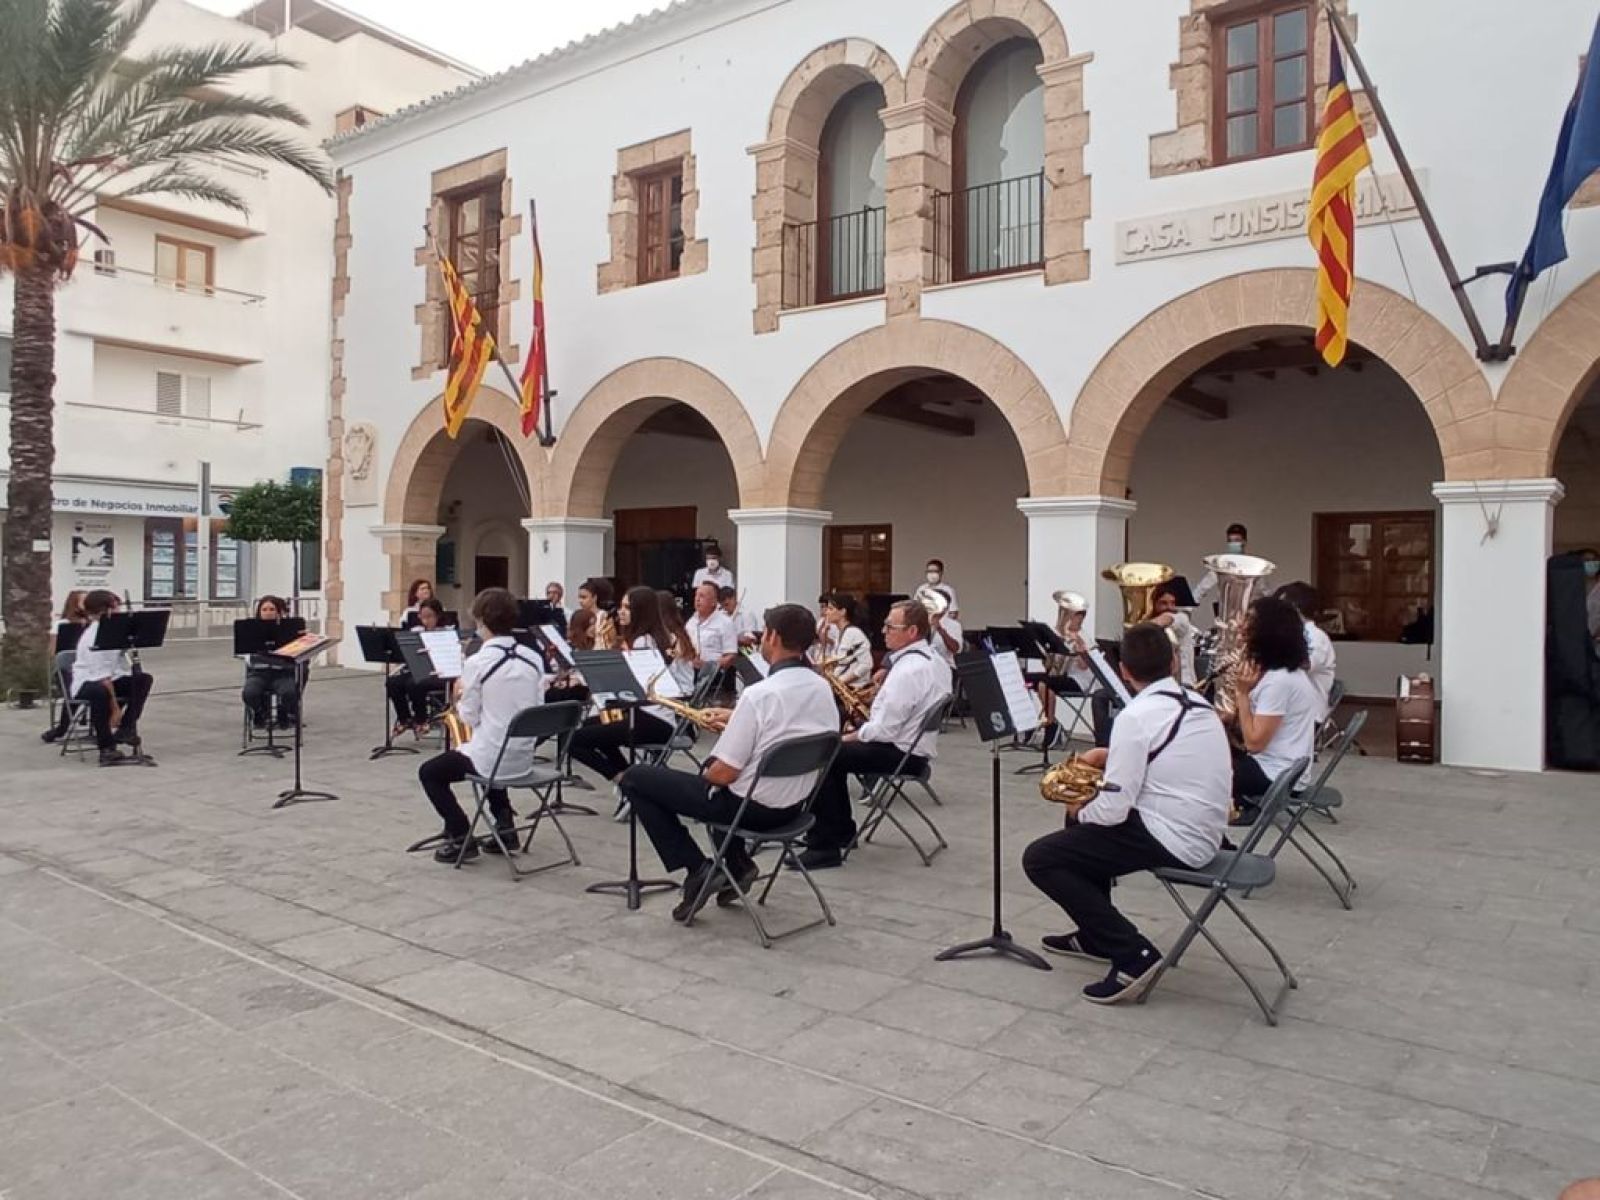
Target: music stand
533	613
1001	707
299	654
1053	643
1021	642
612	683
379	646
132	632
552	647
253	637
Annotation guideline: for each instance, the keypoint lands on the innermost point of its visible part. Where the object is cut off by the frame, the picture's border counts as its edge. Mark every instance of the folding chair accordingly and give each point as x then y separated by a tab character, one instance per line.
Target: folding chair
1328	730
79	737
682	738
248	734
536	723
1227	872
787	760
881	791
1320	798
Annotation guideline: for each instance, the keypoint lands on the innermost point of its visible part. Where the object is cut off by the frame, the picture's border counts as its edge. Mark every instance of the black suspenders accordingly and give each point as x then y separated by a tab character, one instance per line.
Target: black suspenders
1186	704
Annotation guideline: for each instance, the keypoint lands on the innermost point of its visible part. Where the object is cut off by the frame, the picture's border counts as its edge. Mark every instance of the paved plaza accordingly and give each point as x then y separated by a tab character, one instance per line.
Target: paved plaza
201	997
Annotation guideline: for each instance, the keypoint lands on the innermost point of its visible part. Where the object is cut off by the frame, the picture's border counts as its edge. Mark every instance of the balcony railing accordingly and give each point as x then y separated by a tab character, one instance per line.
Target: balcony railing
990	229
836	259
133	275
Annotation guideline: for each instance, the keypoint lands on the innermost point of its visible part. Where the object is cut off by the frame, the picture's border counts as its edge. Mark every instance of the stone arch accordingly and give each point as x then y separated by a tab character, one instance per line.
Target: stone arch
422	459
1138	374
580	466
1553	372
787	162
966	32
843	383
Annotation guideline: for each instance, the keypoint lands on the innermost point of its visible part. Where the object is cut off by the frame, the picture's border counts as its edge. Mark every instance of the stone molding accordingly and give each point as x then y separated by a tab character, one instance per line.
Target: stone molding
621	270
1493	491
1075	506
753	517
568	524
403	529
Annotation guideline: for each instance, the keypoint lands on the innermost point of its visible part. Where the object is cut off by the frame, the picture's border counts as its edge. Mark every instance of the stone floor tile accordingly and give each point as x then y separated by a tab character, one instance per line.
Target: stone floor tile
244	995
146	1066
240	1096
42	970
885	1059
473	995
1023	1099
1339	1175
736	1016
1535	1165
33	1076
177	961
1529	1099
599	1040
1068	1047
99	1016
58	1139
943	1013
661	1163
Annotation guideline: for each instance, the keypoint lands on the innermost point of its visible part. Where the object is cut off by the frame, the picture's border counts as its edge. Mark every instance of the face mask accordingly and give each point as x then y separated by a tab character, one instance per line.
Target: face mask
934	577
1235	547
713	564
1591	568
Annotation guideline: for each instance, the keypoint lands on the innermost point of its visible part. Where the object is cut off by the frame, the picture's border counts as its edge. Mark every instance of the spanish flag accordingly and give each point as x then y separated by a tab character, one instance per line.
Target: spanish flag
471	350
536	370
1331	221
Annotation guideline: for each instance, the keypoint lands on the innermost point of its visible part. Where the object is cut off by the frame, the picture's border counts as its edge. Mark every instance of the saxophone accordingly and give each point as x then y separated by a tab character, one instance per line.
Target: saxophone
856	702
687	712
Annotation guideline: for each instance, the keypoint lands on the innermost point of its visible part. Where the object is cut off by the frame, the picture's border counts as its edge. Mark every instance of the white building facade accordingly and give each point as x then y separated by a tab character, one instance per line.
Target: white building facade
1018	285
197	334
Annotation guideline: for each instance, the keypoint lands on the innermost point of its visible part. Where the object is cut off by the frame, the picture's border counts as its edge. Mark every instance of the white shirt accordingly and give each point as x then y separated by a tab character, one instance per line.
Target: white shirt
713	636
1292	696
791	702
854	649
745	625
90	665
1183	630
917	683
1078	669
1182	796
488	705
953	627
722	577
1323	663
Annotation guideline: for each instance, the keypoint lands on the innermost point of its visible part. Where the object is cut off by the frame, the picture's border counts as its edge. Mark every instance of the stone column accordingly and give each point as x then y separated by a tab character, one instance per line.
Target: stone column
412	555
566	549
1495	538
780	555
1071	539
917	148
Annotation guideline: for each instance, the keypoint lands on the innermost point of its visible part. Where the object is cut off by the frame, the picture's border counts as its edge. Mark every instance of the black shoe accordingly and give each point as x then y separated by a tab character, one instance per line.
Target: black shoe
128	735
695	893
1245	815
728	894
451	850
508	835
50	735
110	756
1122	985
821	860
285	720
258	720
1071	946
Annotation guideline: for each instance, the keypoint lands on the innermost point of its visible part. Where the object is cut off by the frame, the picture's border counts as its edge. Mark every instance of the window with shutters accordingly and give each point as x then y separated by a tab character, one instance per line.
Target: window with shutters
1374	574
186	266
105	262
1263	83
183	395
655	202
660	223
473	218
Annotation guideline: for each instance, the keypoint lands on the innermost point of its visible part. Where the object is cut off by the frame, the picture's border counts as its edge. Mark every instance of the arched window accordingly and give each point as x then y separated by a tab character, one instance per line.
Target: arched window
850	192
999	186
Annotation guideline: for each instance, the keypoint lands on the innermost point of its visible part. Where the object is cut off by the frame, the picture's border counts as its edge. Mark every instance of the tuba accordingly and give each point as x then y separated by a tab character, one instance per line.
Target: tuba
932	599
1239	578
1138	581
1072	782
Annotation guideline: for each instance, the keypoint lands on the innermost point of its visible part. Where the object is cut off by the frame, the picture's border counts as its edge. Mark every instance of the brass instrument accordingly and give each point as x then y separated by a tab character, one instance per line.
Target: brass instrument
457	733
1072	782
696	717
932	599
1239	578
1070	601
856	702
1138	581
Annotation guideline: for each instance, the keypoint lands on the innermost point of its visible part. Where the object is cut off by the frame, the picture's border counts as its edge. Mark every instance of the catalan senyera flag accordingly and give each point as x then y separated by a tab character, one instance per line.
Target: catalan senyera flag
1342	154
536	370
471	349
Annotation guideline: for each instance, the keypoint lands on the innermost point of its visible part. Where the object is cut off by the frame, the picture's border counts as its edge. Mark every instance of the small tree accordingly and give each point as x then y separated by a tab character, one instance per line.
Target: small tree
277	512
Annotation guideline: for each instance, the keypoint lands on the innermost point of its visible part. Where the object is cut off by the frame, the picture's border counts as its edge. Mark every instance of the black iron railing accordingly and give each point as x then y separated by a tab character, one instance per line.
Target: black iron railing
834	259
989	229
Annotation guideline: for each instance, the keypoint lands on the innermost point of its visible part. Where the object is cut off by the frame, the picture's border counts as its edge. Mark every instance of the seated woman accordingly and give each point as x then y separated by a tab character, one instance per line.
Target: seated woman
1277	704
1065	674
568	684
409	697
420	590
71	614
265	678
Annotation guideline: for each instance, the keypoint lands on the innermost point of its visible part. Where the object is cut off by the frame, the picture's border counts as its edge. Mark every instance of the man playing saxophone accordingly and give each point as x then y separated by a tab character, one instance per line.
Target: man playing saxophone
1170	763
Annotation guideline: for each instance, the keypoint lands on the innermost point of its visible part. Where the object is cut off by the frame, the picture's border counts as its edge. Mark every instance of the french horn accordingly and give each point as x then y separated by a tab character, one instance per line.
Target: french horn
1072	782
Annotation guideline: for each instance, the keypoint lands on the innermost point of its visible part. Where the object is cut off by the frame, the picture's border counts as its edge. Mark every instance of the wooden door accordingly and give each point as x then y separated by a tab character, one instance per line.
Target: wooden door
860	559
637	530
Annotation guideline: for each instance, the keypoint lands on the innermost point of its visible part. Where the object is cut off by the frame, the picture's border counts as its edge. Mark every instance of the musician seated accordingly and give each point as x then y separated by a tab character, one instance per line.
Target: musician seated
851	657
496	684
409	697
1178	626
266	679
1322	663
106	682
913	683
1064	674
791	702
420	590
603	746
71	614
555	595
569	684
746	625
1278	707
1169	759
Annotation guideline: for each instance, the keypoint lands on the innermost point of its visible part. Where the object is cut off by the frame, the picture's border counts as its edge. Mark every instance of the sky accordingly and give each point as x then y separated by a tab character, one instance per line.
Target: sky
524	29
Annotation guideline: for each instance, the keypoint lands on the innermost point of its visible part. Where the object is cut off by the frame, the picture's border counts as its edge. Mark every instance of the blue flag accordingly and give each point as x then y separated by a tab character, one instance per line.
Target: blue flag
1577	157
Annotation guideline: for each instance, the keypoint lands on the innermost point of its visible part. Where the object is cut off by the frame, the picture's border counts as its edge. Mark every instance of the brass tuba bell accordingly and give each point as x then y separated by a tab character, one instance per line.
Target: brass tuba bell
932	599
1138	581
1239	580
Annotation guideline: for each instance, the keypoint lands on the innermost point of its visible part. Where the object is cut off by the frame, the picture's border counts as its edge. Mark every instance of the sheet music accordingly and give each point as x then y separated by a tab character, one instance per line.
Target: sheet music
648	665
761	664
444	652
563	647
1107	676
1019	700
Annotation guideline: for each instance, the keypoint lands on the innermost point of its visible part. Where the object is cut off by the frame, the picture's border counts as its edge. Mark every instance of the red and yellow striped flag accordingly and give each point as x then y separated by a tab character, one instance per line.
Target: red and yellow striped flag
471	350
535	380
1331	221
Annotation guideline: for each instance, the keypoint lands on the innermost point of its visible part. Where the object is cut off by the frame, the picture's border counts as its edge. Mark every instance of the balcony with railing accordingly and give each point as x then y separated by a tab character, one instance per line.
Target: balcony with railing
840	258
123	306
989	229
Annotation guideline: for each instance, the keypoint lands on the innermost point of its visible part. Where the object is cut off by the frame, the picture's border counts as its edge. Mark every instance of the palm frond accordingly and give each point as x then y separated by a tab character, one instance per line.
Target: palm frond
180	181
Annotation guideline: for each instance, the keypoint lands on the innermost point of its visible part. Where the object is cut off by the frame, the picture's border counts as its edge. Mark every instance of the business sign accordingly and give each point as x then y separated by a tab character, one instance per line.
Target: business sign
94	553
124	499
1259	219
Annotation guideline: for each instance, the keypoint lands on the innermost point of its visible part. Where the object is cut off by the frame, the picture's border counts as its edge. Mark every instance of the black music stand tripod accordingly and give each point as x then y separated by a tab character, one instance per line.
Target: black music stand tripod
302	669
378	645
992	714
253	637
535	639
609	678
132	632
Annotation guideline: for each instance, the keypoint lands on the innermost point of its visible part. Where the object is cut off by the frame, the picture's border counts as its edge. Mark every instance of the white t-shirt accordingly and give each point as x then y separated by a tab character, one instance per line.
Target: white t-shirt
722	577
953	627
792	701
489	702
1323	662
917	683
92	666
1182	796
713	636
1292	696
855	650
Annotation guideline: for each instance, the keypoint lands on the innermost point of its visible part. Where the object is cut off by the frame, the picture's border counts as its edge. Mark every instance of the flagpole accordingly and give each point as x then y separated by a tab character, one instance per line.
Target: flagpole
548	437
1486	352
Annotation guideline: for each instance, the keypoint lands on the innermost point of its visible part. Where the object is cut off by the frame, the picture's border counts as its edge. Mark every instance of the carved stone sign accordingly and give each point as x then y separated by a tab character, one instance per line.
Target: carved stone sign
360	465
1259	219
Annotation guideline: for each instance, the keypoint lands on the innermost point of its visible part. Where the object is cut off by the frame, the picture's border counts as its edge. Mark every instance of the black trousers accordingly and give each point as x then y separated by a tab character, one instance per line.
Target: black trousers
661	797
261	686
410	699
603	748
132	692
1250	782
836	825
1075	867
442	770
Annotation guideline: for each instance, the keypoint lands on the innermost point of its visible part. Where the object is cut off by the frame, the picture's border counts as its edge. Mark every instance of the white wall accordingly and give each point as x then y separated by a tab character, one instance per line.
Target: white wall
1291	448
657	470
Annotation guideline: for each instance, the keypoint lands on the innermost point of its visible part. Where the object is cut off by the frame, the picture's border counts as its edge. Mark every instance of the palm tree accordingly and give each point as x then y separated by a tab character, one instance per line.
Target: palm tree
83	117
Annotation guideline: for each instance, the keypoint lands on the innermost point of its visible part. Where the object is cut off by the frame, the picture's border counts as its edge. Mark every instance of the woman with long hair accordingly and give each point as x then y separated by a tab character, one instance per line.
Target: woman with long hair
420	590
408	697
851	649
1278	705
266	679
71	614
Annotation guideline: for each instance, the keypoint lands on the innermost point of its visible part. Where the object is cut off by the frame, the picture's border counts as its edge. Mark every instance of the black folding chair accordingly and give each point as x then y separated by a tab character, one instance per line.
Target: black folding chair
682	738
78	737
555	721
1229	871
811	755
1322	799
881	791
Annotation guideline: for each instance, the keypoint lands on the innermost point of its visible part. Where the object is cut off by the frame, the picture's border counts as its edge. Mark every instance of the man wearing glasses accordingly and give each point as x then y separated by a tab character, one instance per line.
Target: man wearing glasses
917	682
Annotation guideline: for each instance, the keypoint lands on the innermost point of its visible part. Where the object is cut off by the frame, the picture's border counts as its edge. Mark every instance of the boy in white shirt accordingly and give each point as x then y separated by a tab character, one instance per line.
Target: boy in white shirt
105	682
